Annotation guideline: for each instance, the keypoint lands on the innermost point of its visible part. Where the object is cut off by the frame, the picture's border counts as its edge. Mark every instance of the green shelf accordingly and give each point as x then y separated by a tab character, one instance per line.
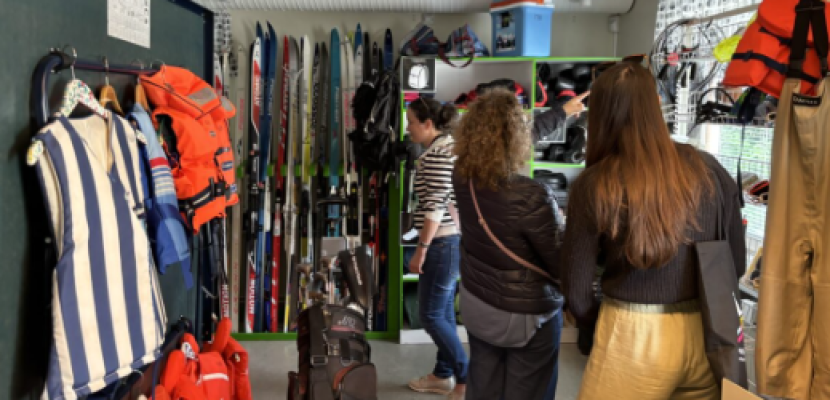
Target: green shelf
545	164
534	59
291	336
416	278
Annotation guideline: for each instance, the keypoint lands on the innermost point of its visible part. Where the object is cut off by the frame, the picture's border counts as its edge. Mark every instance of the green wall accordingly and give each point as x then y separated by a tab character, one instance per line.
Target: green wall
29	29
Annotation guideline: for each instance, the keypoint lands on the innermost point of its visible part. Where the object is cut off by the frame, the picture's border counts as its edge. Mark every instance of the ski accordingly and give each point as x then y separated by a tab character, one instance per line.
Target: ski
375	60
358	57
322	127
235	221
264	218
219	82
367	58
315	123
335	132
383	232
255	104
388	51
290	207
276	246
306	242
350	192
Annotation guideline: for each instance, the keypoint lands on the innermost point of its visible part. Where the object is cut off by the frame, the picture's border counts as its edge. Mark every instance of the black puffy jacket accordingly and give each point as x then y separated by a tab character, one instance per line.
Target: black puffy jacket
524	216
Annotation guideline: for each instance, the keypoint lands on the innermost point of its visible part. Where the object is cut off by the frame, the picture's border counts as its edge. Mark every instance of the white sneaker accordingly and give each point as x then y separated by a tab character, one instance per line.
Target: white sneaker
426	384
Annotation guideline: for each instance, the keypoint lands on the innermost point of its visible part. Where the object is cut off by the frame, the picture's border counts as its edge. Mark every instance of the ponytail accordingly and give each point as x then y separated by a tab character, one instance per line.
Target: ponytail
442	116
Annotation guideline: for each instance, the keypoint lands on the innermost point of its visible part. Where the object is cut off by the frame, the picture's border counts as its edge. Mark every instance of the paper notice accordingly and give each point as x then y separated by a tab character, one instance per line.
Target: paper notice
129	20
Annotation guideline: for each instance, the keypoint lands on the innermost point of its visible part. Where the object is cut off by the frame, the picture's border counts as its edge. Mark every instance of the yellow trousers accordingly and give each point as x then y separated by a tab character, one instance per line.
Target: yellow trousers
648	352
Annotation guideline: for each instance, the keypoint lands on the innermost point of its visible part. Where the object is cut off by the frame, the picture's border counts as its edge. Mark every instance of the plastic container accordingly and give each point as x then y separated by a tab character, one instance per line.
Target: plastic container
521	28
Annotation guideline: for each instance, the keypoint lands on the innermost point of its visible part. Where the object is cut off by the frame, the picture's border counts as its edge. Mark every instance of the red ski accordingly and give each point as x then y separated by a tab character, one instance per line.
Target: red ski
276	247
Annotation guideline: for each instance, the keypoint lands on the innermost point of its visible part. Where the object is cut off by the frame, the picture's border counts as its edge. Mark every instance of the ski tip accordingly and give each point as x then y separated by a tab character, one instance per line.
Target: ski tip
271	30
258	29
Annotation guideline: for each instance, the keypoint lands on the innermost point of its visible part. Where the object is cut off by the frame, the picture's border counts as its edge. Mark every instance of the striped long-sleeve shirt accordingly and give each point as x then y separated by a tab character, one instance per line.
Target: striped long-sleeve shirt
433	185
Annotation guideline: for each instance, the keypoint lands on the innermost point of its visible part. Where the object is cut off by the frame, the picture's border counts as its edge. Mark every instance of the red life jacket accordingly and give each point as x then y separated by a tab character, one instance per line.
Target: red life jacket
762	57
193	375
203	172
236	359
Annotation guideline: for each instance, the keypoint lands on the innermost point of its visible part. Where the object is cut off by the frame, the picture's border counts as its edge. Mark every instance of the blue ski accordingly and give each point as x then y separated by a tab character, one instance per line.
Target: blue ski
335	129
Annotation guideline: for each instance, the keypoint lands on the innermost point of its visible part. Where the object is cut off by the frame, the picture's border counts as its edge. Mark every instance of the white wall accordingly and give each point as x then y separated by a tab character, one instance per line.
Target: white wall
637	29
576	35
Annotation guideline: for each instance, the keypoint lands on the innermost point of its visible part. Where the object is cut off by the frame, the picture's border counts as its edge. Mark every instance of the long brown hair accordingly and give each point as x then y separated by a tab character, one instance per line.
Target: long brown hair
644	188
492	140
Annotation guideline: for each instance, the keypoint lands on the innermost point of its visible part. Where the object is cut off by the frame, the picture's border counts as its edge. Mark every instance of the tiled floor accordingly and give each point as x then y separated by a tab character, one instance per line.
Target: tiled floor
396	364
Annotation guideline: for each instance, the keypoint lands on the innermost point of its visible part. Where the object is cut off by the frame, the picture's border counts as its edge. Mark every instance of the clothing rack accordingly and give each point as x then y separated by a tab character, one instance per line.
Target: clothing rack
58	60
55	61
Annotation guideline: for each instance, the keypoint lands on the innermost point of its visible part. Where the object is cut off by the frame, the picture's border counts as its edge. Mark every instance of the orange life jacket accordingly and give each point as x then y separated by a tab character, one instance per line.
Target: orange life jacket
236	359
203	172
762	58
218	372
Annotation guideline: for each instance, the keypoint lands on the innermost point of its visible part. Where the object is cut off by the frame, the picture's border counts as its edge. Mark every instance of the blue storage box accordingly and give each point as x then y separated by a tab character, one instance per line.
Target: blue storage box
521	28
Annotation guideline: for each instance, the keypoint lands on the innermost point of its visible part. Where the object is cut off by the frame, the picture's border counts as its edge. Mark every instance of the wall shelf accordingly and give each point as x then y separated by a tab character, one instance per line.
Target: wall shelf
549	164
292	336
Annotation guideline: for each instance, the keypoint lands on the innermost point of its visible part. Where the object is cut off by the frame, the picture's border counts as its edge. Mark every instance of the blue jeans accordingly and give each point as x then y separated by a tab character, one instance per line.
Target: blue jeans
529	372
436	299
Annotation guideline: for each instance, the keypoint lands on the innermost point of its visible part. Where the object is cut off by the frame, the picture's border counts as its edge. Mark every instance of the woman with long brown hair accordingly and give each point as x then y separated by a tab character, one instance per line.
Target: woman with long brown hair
641	203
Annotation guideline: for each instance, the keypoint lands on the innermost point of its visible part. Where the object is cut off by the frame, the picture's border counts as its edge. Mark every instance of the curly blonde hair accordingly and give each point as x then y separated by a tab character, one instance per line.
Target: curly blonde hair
492	140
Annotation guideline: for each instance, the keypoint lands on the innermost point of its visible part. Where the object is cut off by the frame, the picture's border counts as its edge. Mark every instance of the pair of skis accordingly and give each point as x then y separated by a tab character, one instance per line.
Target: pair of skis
263	78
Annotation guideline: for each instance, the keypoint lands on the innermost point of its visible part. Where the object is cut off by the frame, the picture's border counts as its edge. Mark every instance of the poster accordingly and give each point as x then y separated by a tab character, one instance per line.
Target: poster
418	74
129	20
505	32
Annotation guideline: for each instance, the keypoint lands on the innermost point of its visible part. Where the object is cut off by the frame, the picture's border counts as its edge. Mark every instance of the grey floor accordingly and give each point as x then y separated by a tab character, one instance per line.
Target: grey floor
396	364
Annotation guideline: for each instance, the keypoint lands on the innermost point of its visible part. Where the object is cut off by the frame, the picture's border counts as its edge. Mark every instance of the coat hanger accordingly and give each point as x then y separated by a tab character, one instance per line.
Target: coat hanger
77	92
108	94
140	95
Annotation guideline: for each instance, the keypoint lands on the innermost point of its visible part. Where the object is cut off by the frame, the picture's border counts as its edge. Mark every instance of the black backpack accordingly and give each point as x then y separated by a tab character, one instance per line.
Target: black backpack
377	111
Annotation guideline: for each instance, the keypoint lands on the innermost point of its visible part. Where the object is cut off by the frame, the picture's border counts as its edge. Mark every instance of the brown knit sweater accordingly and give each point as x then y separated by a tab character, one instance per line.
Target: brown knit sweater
583	249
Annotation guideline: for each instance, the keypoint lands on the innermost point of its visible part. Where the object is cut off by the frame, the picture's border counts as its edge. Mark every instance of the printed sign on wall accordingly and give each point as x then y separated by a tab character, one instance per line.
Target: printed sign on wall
129	20
418	74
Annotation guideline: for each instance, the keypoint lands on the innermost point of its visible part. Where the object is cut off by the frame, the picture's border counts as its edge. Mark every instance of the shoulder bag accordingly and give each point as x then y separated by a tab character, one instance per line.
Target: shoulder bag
721	314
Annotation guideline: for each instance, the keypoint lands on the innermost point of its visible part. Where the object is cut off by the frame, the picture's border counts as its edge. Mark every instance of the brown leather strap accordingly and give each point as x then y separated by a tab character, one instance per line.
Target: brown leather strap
338	377
499	243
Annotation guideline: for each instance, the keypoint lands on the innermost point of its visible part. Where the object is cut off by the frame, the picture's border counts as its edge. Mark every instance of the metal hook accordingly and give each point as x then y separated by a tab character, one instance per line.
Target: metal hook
140	63
106	71
74	57
163	77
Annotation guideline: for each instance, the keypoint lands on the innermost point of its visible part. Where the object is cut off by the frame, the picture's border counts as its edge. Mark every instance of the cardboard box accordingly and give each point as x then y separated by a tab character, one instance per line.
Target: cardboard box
732	391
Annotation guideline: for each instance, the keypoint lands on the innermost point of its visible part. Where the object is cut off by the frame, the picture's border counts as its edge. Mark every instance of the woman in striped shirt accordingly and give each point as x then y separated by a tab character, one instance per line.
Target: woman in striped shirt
436	257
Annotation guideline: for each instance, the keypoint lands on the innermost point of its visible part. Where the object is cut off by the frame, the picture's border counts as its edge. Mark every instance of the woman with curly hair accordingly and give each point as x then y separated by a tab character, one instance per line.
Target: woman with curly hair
511	224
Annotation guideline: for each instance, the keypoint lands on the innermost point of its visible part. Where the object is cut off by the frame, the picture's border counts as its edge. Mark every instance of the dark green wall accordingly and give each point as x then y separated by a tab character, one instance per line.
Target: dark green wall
28	29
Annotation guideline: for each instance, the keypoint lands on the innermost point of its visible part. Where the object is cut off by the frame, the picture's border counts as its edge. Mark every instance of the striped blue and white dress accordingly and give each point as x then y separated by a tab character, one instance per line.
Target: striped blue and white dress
107	307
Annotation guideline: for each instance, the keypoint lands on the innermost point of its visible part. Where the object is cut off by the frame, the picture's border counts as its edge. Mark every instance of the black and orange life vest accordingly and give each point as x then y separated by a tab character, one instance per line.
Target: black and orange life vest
763	57
203	167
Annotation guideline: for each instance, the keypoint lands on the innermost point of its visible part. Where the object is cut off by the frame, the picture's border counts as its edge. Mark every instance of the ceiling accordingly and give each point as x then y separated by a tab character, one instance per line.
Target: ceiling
425	6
